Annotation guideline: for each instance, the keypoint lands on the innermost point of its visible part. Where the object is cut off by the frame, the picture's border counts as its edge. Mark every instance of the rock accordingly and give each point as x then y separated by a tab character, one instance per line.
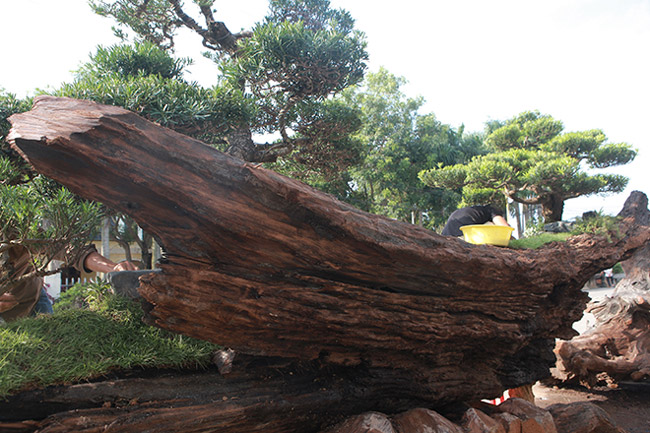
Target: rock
475	421
424	421
558	227
223	360
582	418
533	419
510	423
126	283
369	422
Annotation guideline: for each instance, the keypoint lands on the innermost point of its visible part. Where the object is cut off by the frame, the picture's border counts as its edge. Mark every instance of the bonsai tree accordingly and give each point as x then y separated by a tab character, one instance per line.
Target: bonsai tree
277	78
534	162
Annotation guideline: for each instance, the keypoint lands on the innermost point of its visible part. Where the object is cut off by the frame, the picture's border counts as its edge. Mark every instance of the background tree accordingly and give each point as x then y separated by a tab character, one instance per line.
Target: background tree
399	143
9	105
533	162
282	72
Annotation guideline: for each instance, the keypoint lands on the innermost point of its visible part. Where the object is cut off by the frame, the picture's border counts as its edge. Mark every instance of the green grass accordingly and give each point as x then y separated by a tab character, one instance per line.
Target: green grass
597	224
537	241
74	345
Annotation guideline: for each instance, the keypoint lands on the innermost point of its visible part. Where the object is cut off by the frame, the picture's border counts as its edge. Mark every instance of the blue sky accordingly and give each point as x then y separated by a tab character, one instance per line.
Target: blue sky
584	62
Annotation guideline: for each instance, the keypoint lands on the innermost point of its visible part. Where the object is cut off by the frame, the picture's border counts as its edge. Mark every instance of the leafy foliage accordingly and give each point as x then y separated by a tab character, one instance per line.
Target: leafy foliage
140	59
76	344
314	14
146	80
45	219
9	105
533	162
36	214
276	74
289	60
597	224
158	27
326	148
400	143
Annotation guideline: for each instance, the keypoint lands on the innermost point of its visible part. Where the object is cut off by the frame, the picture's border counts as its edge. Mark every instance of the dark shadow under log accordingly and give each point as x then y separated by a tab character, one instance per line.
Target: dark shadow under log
272	268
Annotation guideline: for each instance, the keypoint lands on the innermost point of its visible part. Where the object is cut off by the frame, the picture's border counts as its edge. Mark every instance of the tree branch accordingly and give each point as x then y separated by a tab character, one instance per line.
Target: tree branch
216	37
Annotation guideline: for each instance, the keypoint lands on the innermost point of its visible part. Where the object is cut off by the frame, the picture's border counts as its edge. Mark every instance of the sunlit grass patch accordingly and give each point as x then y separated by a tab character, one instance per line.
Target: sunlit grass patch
74	345
537	241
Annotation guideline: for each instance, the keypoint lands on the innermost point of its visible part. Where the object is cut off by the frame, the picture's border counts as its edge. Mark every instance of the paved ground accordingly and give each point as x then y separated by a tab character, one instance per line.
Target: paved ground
628	405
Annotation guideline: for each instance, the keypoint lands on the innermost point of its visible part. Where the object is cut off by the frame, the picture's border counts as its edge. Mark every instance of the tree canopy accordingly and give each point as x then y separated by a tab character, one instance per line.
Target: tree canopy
149	81
399	142
532	161
277	77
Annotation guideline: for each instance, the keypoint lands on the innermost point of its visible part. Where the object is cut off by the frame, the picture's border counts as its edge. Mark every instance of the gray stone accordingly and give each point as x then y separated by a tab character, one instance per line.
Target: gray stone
370	422
558	227
126	283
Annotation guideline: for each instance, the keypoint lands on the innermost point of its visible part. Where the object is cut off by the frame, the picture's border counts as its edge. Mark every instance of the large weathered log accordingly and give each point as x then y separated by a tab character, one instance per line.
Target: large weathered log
266	395
271	267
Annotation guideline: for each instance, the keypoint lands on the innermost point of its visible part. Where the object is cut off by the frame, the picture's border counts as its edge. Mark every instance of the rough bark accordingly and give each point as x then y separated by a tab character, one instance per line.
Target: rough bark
552	208
616	348
273	268
259	395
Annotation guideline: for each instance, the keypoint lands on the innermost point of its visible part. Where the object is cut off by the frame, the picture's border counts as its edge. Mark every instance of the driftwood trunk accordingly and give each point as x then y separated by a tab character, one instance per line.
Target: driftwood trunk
272	268
617	347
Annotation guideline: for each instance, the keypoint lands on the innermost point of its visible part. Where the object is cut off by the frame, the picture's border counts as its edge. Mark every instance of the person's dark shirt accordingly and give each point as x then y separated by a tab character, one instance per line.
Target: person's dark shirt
468	216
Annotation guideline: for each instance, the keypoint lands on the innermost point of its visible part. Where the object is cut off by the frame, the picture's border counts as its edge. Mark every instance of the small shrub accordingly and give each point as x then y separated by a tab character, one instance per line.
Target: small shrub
83	296
598	224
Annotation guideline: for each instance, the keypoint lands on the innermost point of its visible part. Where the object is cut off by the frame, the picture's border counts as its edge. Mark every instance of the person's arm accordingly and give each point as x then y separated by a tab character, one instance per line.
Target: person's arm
98	263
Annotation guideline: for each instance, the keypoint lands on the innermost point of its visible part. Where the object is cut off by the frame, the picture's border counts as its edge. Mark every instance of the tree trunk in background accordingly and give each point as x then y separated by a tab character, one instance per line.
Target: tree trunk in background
275	269
552	208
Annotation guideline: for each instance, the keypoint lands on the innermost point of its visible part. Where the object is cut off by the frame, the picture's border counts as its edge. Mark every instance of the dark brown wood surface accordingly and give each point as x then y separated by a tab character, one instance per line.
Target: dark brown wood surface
270	267
616	348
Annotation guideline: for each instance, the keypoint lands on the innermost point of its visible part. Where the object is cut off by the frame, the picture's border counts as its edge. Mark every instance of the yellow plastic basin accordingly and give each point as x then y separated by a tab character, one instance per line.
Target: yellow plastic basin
487	234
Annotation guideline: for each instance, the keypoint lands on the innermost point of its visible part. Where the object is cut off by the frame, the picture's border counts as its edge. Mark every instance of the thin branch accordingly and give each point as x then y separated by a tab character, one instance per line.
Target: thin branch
187	20
282	118
216	37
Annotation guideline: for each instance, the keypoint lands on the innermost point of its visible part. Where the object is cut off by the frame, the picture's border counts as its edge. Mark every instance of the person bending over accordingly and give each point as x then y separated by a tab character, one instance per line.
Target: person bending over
472	215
